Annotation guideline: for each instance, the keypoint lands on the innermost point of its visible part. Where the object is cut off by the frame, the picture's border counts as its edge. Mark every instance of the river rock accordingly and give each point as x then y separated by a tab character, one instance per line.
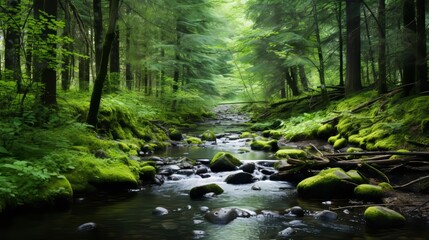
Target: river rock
326	215
221	215
286	232
248	167
240	178
159	211
382	217
198	234
296	210
224	161
200	191
175	134
87	227
169	170
204	161
256	188
369	192
186	172
291	153
328	183
208	135
201	170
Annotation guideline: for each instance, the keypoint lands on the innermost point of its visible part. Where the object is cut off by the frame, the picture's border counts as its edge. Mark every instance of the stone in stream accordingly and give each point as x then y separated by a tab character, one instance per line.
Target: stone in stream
224	161
86	227
226	215
201	170
286	232
296	211
240	178
159	211
382	217
248	167
326	215
200	191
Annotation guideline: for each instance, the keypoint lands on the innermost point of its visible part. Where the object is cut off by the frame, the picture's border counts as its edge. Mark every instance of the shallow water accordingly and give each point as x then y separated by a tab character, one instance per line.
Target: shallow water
129	215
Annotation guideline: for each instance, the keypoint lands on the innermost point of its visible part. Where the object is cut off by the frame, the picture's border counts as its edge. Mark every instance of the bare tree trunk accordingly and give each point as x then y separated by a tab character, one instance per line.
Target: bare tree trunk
371	49
340	41
303	78
382	86
321	68
12	55
291	81
128	73
66	69
98	32
114	79
101	76
409	59
421	68
353	66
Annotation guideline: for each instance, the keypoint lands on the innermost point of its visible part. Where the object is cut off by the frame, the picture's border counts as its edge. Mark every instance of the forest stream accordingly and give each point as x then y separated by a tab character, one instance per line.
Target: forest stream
134	215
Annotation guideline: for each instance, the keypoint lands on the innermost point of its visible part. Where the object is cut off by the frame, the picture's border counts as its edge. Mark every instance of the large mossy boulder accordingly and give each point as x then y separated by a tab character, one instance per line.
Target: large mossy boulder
224	161
193	140
268	146
329	183
199	191
175	134
291	153
340	143
147	173
325	131
208	135
369	192
382	217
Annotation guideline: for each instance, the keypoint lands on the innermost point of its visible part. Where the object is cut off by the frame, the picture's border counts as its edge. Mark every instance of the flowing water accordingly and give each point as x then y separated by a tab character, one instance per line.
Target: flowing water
129	215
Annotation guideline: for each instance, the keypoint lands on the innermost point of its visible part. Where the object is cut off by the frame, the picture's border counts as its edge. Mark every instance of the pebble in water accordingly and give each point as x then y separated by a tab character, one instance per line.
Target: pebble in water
86	227
159	211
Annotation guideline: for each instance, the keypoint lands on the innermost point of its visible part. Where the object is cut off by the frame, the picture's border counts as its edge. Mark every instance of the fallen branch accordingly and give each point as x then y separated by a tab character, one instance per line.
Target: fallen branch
425	154
412	182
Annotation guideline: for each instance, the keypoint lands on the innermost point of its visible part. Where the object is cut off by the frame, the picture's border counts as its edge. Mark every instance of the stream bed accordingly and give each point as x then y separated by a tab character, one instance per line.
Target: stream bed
130	215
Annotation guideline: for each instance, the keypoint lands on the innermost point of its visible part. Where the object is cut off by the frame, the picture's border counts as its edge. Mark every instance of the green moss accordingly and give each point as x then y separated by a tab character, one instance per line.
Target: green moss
261	145
386	186
224	161
340	143
193	140
175	134
353	150
123	147
266	133
333	139
356	177
325	130
424	125
369	192
56	192
391	142
200	191
260	126
147	173
209	135
276	134
248	135
291	153
398	156
329	183
381	217
356	139
80	148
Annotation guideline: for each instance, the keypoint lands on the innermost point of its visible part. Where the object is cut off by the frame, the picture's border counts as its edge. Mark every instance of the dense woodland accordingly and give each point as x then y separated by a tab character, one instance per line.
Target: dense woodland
170	61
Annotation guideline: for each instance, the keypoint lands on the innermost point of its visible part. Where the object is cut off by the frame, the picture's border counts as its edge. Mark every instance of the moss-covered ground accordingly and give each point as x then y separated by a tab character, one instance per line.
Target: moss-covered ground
47	156
366	120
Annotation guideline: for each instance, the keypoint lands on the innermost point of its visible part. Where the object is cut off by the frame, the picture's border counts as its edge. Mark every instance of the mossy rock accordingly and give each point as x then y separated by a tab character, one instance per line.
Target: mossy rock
329	183
382	217
175	134
356	139
325	131
209	135
333	139
389	143
340	143
224	161
123	146
147	173
199	191
260	126
386	186
357	177
57	192
248	135
369	192
267	146
291	153
276	134
193	140
399	156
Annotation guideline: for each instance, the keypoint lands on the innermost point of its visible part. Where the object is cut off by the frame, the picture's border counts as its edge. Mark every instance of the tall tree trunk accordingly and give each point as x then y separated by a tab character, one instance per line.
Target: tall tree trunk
353	66
409	60
421	61
382	86
48	72
98	32
176	74
371	50
321	68
101	76
114	80
340	41
303	78
282	88
128	73
84	66
66	69
291	81
12	56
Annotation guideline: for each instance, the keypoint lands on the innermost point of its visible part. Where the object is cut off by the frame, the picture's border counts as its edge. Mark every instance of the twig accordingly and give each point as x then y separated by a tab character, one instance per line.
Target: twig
412	182
370	205
425	154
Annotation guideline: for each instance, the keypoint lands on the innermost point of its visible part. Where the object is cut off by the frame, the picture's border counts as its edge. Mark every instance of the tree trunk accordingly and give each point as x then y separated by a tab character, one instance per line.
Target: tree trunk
291	81
382	86
98	32
114	80
101	76
282	88
371	50
84	66
321	68
353	66
128	73
340	41
421	61
12	55
409	59
66	69
48	72
303	78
